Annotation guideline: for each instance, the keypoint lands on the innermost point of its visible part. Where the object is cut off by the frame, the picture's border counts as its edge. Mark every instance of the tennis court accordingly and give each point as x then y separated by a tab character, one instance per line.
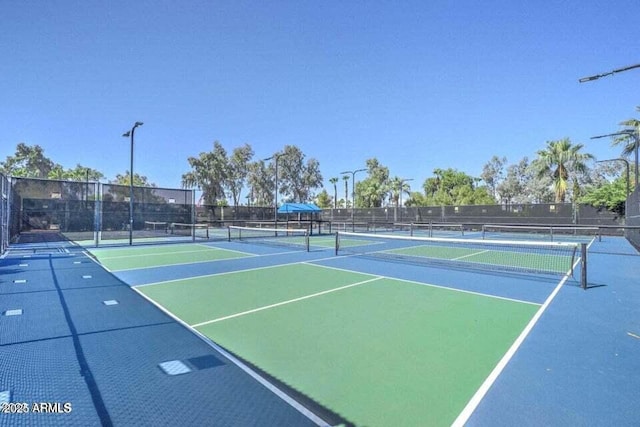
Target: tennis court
374	342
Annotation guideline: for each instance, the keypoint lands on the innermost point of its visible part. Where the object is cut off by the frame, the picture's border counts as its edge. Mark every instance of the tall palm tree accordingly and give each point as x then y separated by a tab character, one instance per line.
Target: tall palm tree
628	141
346	190
334	181
561	159
398	187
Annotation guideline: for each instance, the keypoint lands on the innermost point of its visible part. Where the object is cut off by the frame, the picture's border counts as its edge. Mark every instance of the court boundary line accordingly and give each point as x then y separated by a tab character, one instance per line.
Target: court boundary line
239	271
432	285
481	392
278	304
166	253
183	263
313	263
256	376
466	413
253	374
470	255
147	246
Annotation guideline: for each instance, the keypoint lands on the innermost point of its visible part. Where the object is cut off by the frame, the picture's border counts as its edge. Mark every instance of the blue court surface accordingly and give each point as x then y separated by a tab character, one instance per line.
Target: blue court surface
176	335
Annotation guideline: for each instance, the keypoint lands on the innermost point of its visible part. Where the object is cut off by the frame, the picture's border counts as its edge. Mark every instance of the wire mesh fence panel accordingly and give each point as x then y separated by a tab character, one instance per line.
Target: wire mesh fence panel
4	214
541	213
52	209
633	218
152	206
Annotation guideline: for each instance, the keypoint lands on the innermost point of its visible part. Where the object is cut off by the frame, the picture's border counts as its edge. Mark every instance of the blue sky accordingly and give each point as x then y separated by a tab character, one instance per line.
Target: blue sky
418	85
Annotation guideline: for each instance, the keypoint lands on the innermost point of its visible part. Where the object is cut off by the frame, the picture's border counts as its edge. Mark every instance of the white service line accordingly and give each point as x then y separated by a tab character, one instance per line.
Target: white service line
266	307
471	406
470	255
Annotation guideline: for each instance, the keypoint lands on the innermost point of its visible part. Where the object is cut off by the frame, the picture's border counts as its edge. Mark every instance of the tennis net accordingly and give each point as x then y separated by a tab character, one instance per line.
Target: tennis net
539	232
431	229
195	231
291	237
557	258
157	226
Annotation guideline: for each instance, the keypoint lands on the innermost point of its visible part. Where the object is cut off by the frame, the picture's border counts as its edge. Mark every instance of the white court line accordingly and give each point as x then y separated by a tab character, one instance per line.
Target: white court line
471	406
431	285
185	263
256	376
469	255
158	254
266	307
239	271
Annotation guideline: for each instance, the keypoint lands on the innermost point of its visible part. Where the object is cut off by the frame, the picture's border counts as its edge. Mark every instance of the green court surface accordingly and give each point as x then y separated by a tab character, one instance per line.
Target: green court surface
116	259
376	350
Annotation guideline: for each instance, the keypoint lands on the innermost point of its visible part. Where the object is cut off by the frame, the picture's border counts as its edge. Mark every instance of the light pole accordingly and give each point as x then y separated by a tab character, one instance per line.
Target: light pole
275	157
129	134
353	193
629	132
609	73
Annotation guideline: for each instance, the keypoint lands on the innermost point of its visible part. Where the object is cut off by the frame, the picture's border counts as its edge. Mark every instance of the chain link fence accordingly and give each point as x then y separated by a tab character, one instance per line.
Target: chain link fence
633	218
89	212
4	214
544	214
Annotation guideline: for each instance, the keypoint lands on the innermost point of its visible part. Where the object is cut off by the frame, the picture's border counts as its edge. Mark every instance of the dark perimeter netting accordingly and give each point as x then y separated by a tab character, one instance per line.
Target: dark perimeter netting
290	237
154	210
539	232
49	210
633	218
4	214
558	258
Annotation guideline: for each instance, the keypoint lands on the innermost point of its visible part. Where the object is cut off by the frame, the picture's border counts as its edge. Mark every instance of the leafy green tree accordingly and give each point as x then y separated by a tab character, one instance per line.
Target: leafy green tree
28	162
452	187
372	191
259	179
611	195
323	200
297	178
58	172
416	198
209	172
138	180
493	173
563	161
238	169
79	173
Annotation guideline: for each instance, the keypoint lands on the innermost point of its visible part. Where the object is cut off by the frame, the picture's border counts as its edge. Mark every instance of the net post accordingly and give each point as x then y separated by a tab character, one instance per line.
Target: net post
306	241
583	264
229	233
551	233
97	214
337	246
